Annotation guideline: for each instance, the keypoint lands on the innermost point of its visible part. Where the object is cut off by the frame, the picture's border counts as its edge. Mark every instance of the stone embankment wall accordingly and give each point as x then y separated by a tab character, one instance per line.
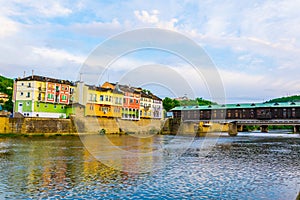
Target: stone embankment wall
36	126
75	125
116	126
93	125
176	126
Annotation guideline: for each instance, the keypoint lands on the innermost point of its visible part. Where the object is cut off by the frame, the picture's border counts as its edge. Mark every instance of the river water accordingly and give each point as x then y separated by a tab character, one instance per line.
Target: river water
249	166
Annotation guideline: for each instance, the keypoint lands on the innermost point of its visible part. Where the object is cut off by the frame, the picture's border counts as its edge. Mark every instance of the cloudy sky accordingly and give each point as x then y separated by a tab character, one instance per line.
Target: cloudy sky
254	44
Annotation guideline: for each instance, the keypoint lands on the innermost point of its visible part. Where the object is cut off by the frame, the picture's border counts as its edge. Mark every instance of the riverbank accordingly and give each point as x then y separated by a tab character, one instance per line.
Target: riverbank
97	125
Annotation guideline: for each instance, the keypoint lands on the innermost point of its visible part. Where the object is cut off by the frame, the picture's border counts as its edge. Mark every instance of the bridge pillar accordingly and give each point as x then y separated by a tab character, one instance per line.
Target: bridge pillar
297	129
264	128
232	129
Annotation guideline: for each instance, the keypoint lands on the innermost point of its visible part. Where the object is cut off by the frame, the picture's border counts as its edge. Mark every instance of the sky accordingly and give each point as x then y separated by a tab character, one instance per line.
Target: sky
254	45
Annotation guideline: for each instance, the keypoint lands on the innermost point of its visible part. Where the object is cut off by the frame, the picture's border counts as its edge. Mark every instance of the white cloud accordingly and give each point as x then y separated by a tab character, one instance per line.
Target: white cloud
146	17
8	27
98	29
52	9
261	38
56	55
31	8
152	18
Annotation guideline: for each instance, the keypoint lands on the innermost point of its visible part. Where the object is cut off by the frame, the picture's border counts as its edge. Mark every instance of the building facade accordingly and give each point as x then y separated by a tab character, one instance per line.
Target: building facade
146	106
37	96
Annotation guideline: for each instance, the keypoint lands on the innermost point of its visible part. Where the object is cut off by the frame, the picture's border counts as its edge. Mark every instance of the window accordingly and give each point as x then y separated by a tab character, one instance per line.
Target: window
54	106
22	84
136	101
29	85
101	97
21	93
95	97
106	98
64	97
293	112
27	103
228	114
28	94
38	105
104	109
91	97
131	100
109	98
50	96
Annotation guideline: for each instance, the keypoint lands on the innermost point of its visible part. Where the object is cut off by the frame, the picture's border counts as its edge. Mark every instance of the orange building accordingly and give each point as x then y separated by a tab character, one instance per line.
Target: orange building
131	100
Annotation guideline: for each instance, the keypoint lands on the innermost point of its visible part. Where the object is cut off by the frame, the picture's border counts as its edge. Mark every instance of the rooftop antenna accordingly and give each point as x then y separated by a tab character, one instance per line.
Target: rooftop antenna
32	73
24	74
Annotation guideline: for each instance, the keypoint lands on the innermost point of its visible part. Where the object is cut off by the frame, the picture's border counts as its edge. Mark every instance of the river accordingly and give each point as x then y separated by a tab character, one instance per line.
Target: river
249	166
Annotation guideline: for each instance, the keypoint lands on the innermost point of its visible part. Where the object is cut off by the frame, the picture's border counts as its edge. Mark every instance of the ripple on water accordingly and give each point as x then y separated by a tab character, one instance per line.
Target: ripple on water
246	167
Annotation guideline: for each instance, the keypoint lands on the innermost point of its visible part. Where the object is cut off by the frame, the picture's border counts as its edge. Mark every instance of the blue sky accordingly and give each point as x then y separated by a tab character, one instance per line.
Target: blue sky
254	44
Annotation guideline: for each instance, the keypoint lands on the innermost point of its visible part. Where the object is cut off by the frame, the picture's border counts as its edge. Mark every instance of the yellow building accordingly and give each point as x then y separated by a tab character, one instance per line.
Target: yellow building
103	102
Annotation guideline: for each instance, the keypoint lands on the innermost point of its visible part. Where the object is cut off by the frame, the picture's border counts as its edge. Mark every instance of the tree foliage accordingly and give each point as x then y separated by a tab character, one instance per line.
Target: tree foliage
295	98
6	86
169	103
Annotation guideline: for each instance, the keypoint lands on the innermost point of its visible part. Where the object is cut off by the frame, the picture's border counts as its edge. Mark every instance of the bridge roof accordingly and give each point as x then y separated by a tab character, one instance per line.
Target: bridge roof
239	106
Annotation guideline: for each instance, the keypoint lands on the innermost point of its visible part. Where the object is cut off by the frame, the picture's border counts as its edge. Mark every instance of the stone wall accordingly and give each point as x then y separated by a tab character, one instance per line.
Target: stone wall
75	125
176	126
36	126
92	125
116	126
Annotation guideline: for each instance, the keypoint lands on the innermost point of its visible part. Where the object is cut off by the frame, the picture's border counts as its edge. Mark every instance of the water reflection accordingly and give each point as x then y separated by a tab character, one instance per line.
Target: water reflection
236	168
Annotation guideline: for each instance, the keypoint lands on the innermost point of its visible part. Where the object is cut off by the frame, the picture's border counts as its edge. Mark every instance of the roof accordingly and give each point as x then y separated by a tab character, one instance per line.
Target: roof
102	89
45	79
238	106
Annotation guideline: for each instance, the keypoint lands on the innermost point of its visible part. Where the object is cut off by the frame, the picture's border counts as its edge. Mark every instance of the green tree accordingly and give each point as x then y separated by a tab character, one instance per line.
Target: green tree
8	105
295	98
169	103
203	102
6	86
